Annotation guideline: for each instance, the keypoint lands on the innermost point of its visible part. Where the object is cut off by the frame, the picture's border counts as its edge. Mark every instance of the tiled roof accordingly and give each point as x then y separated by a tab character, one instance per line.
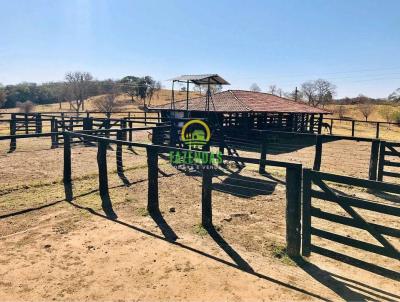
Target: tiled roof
244	101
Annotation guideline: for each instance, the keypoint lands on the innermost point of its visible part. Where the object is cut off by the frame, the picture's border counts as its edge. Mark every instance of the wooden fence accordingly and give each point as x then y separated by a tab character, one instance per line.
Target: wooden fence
388	150
349	204
293	181
332	122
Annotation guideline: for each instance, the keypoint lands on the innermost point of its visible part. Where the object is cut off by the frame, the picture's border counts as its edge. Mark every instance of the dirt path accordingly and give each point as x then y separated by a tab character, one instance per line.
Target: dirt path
53	250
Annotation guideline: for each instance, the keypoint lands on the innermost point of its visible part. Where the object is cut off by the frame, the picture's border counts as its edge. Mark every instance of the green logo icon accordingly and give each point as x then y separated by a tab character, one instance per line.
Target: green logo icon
195	134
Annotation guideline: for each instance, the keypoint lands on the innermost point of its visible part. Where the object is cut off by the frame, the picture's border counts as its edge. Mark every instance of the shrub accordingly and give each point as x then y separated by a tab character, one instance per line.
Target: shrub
25	107
106	103
387	113
341	111
396	117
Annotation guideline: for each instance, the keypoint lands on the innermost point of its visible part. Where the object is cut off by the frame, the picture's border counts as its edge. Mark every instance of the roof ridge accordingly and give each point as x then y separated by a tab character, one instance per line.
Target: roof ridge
282	97
240	101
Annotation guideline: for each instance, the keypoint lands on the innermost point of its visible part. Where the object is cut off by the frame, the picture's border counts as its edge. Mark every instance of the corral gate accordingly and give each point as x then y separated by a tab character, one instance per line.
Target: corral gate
389	150
349	204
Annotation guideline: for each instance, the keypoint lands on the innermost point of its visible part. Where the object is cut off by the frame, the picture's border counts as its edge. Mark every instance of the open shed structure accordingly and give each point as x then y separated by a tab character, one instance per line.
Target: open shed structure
238	112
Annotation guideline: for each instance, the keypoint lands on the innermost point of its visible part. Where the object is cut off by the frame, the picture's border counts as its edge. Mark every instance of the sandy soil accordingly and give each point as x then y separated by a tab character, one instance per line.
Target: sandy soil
55	250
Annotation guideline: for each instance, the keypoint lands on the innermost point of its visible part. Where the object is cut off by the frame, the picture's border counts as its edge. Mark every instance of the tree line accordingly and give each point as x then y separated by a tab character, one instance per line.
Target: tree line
76	88
321	92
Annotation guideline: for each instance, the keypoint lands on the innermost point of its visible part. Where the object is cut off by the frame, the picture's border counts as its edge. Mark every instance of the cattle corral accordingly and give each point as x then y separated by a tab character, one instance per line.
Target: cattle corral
76	250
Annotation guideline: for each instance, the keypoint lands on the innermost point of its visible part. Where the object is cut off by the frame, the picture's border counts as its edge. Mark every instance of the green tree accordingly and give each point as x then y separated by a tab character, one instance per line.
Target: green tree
395	95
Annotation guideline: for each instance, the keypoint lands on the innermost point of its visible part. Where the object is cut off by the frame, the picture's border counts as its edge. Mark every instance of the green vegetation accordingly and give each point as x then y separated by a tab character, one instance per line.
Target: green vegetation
279	252
200	230
142	212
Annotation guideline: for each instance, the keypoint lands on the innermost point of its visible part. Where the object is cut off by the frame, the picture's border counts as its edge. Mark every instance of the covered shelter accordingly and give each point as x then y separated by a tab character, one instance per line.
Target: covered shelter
239	112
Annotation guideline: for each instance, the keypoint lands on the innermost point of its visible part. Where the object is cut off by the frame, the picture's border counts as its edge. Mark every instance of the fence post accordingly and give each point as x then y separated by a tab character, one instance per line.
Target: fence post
123	127
353	125
38	123
118	153
318	153
306	227
331	126
381	163
54	129
13	130
263	156
71	124
67	158
206	198
152	168
293	210
373	163
107	125
320	123
155	136
145	118
173	134
87	125
26	123
102	164
130	130
377	129
67	178
63	121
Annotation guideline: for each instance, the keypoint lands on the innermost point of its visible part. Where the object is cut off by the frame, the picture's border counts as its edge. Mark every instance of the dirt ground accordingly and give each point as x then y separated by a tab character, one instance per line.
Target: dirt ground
75	251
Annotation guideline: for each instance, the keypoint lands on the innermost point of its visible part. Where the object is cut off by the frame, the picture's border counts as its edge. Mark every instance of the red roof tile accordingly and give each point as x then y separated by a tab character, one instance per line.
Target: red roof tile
244	101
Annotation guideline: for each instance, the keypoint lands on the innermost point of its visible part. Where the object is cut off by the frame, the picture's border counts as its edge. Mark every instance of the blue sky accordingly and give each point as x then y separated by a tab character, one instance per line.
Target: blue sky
354	43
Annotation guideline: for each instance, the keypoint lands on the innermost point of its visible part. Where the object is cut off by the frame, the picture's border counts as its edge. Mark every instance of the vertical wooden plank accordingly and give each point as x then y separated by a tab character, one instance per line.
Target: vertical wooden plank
71	124
373	163
331	127
26	123
130	130
381	163
321	116
87	125
13	130
312	123
152	168
306	226
263	156
353	126
302	122
118	154
107	125
145	118
206	198
67	158
53	127
102	165
63	121
123	124
155	136
293	210
38	123
377	129
318	153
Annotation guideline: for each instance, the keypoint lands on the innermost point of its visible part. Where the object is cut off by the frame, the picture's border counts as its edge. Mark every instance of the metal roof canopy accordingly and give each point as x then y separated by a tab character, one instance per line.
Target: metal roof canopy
201	79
